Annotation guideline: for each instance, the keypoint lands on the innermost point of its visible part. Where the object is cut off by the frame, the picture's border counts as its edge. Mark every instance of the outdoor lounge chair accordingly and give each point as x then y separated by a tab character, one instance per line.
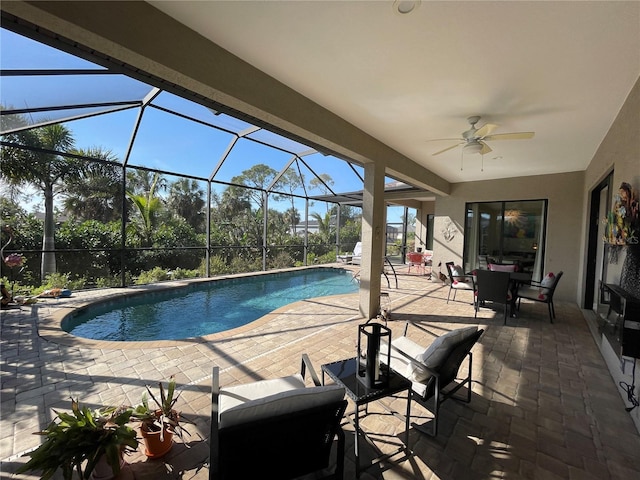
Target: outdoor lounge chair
354	258
276	428
433	371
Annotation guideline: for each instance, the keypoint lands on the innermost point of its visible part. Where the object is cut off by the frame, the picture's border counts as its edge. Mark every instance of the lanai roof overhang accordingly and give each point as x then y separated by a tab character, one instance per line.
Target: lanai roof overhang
198	69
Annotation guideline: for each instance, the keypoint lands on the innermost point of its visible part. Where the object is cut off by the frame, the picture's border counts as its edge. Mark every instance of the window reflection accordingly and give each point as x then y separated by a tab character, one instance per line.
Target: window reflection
506	233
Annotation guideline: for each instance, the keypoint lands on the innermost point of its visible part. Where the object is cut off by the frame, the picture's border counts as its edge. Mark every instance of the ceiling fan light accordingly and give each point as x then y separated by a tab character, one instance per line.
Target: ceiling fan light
473	147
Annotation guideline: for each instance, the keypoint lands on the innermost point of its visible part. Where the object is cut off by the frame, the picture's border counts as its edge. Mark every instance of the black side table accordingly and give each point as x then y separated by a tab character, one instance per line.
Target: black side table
344	372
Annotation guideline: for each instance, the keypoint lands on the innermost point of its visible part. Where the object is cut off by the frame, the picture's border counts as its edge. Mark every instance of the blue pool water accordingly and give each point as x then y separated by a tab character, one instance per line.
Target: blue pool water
205	308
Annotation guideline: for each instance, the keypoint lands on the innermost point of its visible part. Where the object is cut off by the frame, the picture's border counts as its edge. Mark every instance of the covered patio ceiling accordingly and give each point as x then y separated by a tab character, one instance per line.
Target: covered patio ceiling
559	69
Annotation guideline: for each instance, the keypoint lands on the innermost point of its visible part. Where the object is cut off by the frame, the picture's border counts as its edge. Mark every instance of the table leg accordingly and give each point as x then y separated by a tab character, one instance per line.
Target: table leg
408	421
356	421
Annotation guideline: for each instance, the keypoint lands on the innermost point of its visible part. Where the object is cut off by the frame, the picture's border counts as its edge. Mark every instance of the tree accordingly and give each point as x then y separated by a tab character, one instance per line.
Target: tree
259	177
148	206
186	200
323	183
324	226
290	181
97	195
292	216
44	166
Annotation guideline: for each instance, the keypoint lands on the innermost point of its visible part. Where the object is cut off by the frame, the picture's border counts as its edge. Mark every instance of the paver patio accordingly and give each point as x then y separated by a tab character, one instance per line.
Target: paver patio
544	405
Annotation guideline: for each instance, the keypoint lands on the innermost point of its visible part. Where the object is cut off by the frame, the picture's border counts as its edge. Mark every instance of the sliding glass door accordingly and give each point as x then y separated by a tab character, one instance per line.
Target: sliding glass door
507	233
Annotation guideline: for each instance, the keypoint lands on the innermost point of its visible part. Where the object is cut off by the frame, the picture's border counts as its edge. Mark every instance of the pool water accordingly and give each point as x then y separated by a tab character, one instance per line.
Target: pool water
205	308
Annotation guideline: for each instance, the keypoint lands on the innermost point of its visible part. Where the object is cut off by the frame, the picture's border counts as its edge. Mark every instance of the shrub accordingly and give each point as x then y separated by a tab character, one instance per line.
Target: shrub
152	276
180	273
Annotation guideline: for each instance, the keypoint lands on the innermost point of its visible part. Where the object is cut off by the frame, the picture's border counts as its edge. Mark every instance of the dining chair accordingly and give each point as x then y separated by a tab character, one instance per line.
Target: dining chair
416	260
492	287
541	292
458	280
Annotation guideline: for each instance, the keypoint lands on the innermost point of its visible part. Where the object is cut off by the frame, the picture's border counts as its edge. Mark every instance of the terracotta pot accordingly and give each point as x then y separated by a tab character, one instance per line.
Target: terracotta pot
103	470
154	446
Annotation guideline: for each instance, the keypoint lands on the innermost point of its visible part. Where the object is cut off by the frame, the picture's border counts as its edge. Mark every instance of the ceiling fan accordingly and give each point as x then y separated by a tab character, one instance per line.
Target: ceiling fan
473	140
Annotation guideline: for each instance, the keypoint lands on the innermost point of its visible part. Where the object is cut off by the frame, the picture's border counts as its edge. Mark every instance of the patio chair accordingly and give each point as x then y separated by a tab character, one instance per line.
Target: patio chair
458	280
483	262
276	428
416	260
541	292
354	258
433	371
493	287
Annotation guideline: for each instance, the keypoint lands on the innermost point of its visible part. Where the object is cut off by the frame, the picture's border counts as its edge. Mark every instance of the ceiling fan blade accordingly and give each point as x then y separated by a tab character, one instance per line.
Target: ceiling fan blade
510	136
448	148
448	139
485	130
485	148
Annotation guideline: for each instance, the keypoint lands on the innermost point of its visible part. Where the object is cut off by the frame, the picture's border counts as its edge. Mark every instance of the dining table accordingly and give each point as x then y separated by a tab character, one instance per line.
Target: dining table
517	279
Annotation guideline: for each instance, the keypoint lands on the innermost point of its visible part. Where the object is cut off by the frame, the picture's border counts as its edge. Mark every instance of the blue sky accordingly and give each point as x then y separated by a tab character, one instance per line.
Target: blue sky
163	141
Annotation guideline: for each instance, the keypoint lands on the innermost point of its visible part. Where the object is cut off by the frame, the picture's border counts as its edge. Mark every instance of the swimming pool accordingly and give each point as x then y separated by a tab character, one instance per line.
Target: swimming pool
205	307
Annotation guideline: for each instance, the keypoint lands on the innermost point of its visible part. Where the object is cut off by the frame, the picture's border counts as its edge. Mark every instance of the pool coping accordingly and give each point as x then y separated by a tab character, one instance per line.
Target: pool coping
50	325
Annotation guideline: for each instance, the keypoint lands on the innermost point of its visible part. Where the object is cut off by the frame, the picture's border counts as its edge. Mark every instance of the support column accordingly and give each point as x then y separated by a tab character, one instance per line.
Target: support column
373	234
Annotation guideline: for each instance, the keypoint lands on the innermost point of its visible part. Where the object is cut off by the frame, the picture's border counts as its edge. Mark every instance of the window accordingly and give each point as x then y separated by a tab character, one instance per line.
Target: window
506	232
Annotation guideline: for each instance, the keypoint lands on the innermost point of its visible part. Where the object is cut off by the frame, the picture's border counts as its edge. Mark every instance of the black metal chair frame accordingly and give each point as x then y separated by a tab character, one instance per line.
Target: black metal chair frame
442	376
492	287
548	291
452	279
283	446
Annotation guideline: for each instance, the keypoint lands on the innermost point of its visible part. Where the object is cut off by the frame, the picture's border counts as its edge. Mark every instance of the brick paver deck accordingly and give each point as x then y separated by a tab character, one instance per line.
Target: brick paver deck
544	405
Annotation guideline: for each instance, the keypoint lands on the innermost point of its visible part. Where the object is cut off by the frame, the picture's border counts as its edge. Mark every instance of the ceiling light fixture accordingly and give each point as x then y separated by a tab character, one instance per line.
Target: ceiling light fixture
473	147
405	6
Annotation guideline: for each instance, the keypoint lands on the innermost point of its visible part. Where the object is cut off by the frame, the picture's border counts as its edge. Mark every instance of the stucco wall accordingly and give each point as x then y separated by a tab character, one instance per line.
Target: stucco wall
619	152
564	220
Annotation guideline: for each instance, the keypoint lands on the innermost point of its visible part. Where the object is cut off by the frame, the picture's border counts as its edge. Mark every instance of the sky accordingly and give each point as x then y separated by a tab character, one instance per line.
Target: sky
163	141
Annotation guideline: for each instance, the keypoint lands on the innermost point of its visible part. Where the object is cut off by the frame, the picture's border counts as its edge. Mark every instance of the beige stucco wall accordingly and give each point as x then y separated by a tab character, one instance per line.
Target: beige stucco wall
564	220
620	149
619	152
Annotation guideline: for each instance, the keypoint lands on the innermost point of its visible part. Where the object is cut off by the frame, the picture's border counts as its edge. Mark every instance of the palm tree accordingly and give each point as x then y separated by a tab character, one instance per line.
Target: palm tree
324	226
293	217
186	199
148	206
43	165
97	195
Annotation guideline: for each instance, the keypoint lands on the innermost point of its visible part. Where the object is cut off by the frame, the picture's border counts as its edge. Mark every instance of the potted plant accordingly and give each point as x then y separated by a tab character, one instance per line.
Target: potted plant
95	439
161	421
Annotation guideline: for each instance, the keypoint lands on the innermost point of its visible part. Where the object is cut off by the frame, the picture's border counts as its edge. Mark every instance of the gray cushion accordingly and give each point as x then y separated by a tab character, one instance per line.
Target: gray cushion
434	355
285	401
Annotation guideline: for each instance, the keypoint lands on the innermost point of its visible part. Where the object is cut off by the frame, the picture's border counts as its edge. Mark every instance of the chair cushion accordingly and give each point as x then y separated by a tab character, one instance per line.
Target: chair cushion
462	285
434	355
532	293
439	349
401	364
287	401
238	394
460	280
502	268
548	280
